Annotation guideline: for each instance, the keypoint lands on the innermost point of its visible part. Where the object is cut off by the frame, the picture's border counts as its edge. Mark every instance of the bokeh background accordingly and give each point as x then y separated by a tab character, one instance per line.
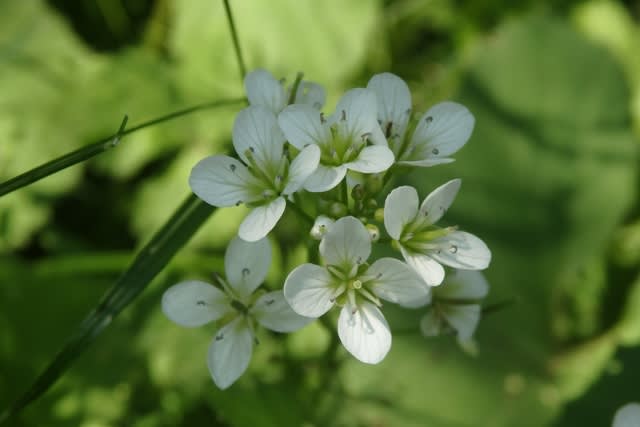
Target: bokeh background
550	181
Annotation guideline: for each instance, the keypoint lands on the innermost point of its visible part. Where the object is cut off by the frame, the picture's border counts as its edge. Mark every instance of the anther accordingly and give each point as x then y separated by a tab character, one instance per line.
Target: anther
232	167
343	115
201	303
239	202
220	337
435	151
245	272
269	302
429	119
322	119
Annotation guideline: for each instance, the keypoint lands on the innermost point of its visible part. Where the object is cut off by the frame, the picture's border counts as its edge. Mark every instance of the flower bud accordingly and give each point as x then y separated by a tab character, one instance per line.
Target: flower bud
338	210
374	232
320	227
378	215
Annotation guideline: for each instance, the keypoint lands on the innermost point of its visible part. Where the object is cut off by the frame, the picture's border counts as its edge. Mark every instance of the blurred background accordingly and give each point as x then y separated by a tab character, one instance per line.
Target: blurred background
549	182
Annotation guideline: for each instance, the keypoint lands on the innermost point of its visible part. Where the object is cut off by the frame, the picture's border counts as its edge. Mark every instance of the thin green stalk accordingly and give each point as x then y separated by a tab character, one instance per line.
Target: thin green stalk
301	213
147	264
104	144
236	42
294	88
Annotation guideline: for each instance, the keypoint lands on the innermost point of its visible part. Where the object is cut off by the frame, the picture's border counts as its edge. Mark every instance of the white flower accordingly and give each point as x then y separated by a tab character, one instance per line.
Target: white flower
343	138
263	89
455	306
627	416
195	303
440	132
423	245
262	180
348	281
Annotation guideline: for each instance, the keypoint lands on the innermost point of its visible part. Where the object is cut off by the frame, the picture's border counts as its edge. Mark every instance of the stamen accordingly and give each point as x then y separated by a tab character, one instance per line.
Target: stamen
239	202
232	167
435	151
269	302
245	272
429	119
343	115
322	118
220	336
387	131
201	303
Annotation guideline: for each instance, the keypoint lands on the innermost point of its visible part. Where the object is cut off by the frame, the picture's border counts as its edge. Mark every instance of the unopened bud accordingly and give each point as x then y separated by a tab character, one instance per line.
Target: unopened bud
378	215
338	210
374	232
320	227
357	192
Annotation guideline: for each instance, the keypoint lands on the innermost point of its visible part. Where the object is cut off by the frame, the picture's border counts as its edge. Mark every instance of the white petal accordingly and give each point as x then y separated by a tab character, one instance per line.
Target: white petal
346	243
627	416
194	303
246	265
263	89
308	290
305	163
302	126
324	178
438	201
430	270
442	131
261	220
230	352
463	284
356	114
364	332
273	312
462	250
431	324
372	159
224	181
463	318
256	130
395	281
394	102
400	208
312	94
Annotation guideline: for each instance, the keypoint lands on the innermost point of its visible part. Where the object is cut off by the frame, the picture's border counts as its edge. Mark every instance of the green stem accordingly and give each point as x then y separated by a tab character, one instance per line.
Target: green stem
301	213
294	88
236	43
98	147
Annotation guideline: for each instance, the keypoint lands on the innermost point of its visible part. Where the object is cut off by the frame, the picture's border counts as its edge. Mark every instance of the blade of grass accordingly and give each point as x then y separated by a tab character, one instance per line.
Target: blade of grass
236	41
100	146
148	263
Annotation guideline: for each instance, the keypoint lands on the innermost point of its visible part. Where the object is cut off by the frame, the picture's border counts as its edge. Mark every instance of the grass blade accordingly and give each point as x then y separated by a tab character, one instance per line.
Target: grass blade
147	264
100	146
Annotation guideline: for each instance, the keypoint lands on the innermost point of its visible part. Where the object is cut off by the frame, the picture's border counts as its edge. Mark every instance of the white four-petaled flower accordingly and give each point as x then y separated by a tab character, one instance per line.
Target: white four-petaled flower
455	305
343	138
263	89
425	246
348	281
440	132
262	180
195	303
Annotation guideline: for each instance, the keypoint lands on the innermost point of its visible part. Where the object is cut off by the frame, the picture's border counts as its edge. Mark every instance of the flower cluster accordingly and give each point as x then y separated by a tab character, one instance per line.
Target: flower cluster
334	171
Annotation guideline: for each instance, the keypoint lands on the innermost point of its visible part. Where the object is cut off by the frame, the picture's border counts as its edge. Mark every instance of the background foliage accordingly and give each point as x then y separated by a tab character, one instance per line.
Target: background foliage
549	181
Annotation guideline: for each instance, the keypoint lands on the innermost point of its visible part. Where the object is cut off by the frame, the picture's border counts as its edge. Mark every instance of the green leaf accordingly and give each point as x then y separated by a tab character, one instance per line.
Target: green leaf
147	264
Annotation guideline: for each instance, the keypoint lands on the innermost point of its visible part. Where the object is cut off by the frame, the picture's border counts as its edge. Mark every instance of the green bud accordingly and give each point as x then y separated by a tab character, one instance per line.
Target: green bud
373	184
358	192
379	215
338	210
